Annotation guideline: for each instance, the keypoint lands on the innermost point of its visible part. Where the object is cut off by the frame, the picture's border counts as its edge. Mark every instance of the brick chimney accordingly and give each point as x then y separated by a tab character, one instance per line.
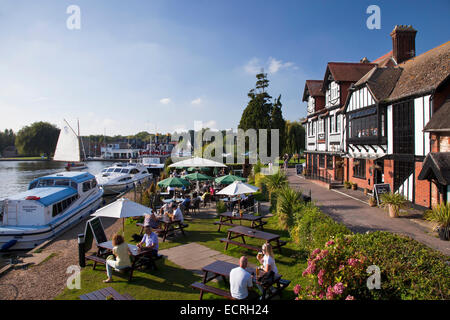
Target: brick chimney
403	43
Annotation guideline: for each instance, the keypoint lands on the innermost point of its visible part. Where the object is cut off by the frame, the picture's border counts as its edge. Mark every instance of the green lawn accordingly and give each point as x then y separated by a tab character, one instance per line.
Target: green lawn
173	282
24	158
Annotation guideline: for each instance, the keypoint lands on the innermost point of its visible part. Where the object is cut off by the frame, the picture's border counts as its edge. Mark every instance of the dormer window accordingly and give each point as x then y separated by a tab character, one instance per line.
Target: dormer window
332	94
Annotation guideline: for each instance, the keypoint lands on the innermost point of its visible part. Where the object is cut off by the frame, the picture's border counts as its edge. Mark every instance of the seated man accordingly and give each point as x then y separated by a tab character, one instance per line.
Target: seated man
186	202
149	242
178	215
241	282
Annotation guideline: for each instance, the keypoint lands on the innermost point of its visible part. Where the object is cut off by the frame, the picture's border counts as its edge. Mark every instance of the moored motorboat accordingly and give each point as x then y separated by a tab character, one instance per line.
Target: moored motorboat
51	204
121	177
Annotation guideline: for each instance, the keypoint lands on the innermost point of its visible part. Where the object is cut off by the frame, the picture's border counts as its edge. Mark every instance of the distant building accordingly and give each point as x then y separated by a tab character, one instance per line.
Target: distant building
119	151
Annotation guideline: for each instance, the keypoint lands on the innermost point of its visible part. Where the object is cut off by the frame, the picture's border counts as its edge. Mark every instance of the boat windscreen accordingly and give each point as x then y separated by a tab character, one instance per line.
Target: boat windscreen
111	170
46	183
125	170
117	170
62	182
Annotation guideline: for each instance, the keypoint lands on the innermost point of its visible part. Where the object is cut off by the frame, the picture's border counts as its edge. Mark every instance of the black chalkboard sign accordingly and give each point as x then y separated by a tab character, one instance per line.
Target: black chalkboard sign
379	189
94	230
299	168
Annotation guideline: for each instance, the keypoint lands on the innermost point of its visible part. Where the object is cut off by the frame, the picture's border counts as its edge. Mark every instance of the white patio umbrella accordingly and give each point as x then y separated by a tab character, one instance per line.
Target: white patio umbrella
237	188
122	208
197	162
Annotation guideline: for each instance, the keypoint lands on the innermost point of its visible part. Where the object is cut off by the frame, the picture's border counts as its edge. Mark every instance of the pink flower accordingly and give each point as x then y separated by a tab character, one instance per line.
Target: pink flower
320	277
341	267
297	289
329	243
315	252
330	293
350	298
324	253
321	294
353	262
338	288
296	298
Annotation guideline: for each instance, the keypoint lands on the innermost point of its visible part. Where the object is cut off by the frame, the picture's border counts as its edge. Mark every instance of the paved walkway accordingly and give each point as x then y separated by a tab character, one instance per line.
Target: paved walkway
359	217
194	256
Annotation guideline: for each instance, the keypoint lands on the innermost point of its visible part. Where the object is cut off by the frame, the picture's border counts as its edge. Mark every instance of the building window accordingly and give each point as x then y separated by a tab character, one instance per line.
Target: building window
329	162
322	161
338	123
403	118
333	124
359	168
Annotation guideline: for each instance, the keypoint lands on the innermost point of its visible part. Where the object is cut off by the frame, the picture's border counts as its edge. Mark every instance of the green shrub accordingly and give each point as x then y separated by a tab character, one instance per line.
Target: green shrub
312	228
287	200
221	207
260	196
409	270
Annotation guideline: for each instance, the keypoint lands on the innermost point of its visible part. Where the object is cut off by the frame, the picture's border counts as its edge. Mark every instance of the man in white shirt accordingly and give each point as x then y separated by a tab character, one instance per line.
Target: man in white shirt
241	281
150	240
178	215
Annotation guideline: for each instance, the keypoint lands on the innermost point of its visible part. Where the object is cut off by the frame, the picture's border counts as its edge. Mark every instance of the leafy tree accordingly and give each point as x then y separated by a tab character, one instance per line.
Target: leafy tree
278	122
37	138
294	137
7	139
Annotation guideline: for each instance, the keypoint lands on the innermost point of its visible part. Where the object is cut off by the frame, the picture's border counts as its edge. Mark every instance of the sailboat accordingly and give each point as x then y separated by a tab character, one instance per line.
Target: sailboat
68	148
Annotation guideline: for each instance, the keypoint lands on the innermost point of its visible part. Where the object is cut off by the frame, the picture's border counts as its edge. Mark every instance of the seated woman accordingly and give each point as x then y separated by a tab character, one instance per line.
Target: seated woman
267	258
151	220
122	254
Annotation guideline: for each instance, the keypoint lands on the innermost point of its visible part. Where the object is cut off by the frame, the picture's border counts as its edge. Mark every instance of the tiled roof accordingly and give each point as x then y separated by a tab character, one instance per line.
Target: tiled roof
440	121
423	73
436	166
380	81
313	88
346	71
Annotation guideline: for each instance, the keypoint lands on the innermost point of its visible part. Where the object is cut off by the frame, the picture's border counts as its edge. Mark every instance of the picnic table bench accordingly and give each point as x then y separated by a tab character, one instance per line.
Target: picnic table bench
169	227
139	257
226	218
223	269
242	232
104	293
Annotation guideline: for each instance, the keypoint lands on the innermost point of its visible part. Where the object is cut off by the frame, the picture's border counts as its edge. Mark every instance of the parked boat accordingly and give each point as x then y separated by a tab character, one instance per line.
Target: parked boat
121	177
68	148
51	204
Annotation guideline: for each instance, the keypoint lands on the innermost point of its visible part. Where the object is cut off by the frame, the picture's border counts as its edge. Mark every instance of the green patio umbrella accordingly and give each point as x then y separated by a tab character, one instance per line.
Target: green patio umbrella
228	179
197	177
174	183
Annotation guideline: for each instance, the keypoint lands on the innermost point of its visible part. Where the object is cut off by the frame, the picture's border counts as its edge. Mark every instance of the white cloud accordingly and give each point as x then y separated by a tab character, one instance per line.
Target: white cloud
197	101
273	65
211	124
165	100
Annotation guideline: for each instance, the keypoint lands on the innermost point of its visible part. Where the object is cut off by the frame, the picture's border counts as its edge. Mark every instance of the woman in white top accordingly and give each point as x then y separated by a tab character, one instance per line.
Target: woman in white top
267	259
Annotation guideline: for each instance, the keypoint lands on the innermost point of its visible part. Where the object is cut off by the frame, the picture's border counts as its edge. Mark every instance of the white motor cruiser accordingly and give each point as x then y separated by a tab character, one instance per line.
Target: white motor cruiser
121	177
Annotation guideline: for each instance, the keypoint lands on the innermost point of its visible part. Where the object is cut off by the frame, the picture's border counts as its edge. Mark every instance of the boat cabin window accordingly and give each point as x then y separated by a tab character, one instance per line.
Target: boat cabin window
62	182
104	170
93	183
125	170
111	170
117	170
63	205
134	171
45	183
86	186
74	185
125	179
33	185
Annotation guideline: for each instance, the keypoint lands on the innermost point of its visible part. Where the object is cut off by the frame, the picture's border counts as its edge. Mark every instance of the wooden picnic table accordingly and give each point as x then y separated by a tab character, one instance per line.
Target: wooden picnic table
223	269
242	232
104	293
173	200
139	256
226	218
168	228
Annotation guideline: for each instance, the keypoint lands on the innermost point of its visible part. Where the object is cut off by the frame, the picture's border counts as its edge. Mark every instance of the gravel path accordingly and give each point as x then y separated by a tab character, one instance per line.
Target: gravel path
46	280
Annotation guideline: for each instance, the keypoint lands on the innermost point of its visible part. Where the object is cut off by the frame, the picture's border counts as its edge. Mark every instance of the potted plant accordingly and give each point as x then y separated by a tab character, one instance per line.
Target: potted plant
354	186
393	201
347	184
372	202
441	216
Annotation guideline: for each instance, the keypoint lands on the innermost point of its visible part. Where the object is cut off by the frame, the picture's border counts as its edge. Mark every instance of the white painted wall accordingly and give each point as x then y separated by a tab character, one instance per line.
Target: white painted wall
359	99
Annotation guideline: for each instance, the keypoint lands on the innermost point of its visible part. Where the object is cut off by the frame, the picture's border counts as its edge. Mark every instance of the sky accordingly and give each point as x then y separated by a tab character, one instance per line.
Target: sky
161	65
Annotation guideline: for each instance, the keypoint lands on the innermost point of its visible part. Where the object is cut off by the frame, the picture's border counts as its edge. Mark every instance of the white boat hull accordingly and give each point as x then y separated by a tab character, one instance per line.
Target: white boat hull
29	238
110	189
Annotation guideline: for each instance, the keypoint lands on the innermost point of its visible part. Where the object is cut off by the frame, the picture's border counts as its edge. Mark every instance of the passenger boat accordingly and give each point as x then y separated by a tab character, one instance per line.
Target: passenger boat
51	204
121	177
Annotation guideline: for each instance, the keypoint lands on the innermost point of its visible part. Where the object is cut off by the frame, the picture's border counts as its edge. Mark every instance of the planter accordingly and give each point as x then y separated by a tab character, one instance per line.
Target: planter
366	191
393	211
372	202
354	187
444	233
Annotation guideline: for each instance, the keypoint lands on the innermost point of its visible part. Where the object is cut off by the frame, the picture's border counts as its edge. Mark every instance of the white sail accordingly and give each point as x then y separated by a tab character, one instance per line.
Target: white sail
68	146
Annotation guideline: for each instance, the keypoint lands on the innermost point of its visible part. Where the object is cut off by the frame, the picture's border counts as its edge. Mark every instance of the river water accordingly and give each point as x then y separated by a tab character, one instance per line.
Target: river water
16	175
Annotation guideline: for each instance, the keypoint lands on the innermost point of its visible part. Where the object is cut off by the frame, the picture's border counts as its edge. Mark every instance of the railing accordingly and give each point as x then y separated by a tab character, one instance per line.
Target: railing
321	175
